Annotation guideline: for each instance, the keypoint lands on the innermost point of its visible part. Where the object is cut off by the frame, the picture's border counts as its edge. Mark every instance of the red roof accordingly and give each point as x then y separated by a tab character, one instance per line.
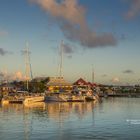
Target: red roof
90	84
83	82
94	84
80	82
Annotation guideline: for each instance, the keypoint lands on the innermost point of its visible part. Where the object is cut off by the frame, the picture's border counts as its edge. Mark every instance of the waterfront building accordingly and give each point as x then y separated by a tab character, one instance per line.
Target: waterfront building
7	88
82	85
58	85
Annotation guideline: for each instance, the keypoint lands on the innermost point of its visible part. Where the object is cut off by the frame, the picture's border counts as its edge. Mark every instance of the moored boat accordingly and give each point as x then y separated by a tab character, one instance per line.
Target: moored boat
58	97
76	98
33	99
22	99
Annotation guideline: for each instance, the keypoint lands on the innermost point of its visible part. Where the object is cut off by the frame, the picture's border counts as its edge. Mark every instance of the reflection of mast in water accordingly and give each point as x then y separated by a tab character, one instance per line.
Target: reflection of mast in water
93	116
61	111
28	118
27	124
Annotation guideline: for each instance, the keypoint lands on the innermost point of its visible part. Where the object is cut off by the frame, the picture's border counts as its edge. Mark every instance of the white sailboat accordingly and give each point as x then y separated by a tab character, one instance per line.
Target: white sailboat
29	76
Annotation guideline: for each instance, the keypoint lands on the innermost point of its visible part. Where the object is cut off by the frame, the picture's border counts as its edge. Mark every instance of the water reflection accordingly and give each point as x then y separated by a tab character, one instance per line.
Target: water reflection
56	111
71	121
25	119
65	110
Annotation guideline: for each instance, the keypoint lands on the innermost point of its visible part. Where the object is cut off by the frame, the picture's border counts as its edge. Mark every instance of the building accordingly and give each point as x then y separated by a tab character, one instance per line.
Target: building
81	85
58	85
7	88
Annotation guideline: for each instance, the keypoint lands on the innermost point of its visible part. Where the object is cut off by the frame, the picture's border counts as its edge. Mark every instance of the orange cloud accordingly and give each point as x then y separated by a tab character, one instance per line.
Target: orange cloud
67	9
115	80
134	9
19	76
71	17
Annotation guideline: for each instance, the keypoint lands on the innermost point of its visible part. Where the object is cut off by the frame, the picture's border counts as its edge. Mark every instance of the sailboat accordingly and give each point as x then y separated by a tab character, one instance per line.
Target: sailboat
58	89
33	97
56	85
24	96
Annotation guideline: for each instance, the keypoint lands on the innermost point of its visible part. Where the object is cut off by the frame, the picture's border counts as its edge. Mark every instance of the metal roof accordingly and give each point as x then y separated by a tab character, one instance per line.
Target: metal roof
58	81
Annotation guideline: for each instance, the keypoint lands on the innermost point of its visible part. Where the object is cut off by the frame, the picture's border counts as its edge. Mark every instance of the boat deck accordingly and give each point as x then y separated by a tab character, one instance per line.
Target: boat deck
28	99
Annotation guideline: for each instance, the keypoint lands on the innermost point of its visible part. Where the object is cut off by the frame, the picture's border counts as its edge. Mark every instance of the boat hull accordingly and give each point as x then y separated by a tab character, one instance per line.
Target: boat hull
54	98
89	98
34	99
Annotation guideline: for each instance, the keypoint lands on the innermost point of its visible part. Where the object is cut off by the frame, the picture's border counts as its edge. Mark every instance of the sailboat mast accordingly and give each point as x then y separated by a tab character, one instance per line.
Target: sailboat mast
92	74
61	58
28	66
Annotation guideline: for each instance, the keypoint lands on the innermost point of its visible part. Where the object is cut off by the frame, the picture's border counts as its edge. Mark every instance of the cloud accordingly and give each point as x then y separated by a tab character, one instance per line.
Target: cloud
104	75
18	76
3	33
4	76
71	18
4	52
115	80
65	9
86	37
134	9
128	72
69	56
67	49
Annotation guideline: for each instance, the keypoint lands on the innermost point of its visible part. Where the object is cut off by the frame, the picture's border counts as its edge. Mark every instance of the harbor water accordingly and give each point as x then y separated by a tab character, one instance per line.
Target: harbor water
109	119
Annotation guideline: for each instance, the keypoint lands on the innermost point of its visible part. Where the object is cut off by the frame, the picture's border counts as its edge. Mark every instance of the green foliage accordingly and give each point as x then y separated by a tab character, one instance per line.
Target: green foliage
37	87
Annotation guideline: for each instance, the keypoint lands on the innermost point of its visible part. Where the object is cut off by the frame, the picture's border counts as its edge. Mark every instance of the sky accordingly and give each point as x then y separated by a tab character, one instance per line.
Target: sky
99	35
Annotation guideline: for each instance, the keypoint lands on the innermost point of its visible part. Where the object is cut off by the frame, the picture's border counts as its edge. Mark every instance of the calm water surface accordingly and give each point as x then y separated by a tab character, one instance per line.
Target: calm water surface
111	119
